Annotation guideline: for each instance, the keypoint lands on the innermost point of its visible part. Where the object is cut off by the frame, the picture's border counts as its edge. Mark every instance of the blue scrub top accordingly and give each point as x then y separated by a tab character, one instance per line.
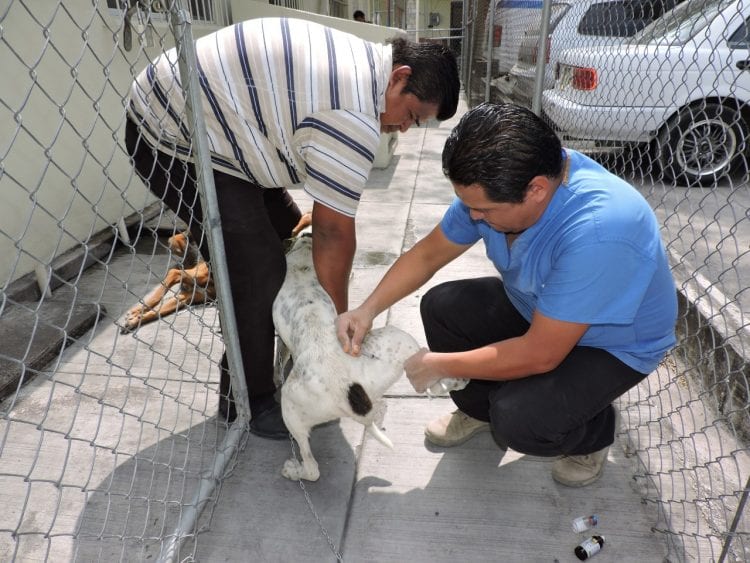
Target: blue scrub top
594	257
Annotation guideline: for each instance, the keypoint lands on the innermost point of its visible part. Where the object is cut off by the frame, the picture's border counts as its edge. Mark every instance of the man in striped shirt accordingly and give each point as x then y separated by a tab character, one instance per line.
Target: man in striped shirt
287	103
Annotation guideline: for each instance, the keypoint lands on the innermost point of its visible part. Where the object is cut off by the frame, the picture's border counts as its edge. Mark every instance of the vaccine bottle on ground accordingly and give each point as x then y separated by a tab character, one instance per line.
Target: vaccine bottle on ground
589	547
583	523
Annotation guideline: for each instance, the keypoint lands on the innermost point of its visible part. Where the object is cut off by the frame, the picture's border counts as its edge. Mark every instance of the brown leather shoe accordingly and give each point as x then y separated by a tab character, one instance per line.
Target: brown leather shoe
454	429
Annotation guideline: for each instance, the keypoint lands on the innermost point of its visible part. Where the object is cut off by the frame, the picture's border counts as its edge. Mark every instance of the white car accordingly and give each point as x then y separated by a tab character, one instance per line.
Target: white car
510	20
505	24
682	85
579	24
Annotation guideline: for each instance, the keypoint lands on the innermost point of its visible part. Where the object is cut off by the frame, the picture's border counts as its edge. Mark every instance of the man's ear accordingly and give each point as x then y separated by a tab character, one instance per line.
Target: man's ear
539	188
401	73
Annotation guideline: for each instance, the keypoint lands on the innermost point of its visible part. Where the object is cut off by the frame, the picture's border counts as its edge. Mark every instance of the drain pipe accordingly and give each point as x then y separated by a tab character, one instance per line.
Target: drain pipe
490	39
541	58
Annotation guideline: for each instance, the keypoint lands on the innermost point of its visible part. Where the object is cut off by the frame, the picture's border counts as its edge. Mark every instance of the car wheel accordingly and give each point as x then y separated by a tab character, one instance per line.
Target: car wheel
701	144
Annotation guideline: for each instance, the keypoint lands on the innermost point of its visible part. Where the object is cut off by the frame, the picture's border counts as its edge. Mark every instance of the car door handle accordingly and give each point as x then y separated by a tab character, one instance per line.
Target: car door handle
743	65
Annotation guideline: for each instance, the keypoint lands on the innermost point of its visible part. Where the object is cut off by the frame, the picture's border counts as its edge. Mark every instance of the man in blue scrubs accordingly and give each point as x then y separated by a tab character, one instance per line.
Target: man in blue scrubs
583	310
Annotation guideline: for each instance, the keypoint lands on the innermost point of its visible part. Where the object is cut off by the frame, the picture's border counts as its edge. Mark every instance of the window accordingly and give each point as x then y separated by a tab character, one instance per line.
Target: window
740	39
201	10
623	18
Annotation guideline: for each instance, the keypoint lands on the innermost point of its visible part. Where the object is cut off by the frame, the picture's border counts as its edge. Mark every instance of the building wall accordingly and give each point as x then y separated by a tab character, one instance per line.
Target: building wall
248	9
64	175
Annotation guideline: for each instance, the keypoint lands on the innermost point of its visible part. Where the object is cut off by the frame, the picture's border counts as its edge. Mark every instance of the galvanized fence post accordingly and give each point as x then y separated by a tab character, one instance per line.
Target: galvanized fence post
180	21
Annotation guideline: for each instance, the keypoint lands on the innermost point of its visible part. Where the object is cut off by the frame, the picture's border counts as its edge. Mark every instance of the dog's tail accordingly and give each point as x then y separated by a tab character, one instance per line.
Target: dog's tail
361	405
378	434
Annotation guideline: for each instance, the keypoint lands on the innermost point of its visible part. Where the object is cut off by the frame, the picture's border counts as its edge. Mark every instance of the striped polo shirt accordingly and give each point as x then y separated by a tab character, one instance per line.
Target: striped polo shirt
288	103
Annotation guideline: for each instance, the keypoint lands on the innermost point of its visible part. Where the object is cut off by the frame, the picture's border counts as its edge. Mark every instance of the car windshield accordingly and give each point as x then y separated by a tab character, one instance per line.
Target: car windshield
556	13
680	24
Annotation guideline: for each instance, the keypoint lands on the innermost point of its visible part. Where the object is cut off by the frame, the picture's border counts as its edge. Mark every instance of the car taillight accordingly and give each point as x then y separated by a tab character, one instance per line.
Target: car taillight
584	78
535	52
497	35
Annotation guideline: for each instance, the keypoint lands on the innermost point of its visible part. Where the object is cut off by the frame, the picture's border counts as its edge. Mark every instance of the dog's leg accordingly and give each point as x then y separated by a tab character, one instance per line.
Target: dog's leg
283	355
170	305
198	279
306	469
293	468
144	312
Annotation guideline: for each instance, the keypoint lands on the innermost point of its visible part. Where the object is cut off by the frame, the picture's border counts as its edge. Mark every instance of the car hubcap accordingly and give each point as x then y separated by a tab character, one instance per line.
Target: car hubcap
706	148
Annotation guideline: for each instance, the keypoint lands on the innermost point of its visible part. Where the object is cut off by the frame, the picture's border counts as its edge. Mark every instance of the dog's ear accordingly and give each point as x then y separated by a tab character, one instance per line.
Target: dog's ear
184	250
178	243
304	222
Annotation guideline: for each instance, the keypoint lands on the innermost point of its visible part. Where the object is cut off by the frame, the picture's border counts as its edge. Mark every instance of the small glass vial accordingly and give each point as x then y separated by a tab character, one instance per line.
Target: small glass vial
446	385
583	523
588	547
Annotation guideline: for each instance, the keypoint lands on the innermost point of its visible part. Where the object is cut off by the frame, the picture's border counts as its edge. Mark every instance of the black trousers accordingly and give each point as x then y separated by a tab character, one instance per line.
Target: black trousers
566	411
254	222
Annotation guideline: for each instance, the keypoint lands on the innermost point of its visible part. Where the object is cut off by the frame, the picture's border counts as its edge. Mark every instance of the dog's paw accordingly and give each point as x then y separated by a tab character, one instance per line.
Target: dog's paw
131	320
295	471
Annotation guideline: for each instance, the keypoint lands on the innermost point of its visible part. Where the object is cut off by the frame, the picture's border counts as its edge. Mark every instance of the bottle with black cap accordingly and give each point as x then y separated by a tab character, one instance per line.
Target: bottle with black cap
589	547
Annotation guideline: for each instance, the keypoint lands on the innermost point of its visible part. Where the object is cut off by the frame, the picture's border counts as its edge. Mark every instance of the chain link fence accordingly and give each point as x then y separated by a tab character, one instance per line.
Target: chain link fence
110	444
658	91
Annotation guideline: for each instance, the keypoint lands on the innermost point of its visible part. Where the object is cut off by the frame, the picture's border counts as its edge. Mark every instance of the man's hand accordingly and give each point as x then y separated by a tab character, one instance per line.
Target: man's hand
351	328
421	374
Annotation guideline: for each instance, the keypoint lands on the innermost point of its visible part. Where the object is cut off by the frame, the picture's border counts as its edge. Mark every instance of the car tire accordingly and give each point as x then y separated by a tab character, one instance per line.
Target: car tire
702	143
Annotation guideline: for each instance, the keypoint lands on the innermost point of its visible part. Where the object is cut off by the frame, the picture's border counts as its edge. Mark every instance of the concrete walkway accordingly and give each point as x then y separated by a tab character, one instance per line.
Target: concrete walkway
102	450
417	503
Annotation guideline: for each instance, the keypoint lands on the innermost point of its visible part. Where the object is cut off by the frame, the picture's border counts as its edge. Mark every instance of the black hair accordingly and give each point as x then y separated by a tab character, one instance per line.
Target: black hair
358	14
501	147
434	74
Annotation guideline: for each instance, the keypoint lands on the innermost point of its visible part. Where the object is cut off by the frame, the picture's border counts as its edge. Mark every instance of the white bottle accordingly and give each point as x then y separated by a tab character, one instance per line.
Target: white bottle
583	523
445	386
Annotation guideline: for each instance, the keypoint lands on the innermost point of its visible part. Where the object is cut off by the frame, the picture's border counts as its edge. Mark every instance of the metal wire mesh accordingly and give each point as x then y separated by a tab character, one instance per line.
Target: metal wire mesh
666	107
107	438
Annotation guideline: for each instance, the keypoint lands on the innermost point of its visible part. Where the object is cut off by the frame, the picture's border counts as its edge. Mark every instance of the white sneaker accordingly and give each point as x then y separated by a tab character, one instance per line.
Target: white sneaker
454	429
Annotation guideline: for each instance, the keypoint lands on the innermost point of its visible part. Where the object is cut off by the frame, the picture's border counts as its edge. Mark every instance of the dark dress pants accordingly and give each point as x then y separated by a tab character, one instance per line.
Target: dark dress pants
566	411
254	222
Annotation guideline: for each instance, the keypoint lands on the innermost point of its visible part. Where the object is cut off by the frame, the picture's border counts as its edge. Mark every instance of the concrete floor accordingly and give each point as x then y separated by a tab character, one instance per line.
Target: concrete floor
120	428
417	503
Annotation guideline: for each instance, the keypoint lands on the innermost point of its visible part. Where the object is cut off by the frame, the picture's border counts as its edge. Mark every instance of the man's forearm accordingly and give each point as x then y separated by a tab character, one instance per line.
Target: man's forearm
412	270
333	266
334	244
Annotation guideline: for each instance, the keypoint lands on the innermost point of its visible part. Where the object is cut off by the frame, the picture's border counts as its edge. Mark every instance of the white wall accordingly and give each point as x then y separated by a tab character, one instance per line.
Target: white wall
64	172
249	9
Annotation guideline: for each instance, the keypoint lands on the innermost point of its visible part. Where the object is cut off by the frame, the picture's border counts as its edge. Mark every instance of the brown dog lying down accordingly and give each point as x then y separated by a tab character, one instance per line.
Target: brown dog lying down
194	281
192	277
